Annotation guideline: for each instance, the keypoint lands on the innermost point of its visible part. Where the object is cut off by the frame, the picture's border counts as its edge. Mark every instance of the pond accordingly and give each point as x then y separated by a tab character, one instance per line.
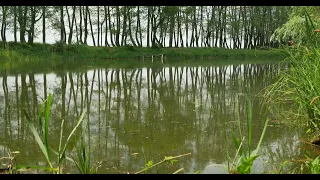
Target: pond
137	115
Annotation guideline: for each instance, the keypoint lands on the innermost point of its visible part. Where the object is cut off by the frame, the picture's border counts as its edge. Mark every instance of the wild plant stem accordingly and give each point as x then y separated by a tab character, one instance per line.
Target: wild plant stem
238	150
165	159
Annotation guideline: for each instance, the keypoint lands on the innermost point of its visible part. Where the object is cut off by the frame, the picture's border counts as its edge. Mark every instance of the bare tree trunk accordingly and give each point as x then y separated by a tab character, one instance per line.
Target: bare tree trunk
43	24
110	29
186	27
71	23
62	28
220	27
98	19
130	30
106	43
138	29
15	23
85	25
124	26
4	24
33	10
76	26
148	26
171	29
117	26
32	23
179	26
94	42
22	19
201	27
196	26
80	27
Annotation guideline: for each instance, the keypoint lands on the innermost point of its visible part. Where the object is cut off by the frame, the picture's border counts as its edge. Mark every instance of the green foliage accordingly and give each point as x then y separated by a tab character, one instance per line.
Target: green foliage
300	83
83	153
313	165
244	158
20	58
246	164
59	47
282	167
44	141
129	48
294	30
299	27
83	163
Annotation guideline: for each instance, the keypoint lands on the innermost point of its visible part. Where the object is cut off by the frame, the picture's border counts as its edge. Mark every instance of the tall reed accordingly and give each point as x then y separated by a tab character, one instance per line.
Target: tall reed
300	83
42	136
242	162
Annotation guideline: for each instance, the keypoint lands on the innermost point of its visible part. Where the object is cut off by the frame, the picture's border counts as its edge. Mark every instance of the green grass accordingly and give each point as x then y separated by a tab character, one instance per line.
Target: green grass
82	160
242	162
300	85
62	51
41	135
17	56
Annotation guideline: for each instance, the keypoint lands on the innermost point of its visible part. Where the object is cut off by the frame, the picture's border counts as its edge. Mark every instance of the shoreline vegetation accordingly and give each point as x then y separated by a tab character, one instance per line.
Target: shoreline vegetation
17	56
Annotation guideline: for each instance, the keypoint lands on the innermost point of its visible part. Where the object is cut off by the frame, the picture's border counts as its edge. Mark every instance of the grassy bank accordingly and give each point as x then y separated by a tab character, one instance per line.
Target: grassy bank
18	56
300	84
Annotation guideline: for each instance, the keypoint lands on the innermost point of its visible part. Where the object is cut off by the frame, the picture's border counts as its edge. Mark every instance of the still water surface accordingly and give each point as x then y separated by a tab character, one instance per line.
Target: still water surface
143	114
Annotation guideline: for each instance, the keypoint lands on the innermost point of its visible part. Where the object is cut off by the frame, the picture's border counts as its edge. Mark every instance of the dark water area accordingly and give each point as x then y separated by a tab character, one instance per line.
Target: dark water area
136	115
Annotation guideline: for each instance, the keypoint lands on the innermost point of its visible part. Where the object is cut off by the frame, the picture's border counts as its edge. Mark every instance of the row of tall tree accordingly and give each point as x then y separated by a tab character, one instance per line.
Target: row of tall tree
146	26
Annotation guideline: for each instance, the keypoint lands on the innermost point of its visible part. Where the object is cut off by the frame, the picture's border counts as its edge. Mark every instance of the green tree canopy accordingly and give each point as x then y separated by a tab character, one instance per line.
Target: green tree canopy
296	28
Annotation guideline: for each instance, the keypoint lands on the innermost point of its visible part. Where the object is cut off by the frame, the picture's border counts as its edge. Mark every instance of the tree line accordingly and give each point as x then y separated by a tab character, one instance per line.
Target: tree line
238	27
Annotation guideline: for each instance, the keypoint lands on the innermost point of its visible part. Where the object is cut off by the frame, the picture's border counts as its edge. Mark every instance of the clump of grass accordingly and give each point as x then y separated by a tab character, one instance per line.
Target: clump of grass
313	165
42	136
300	83
242	162
82	161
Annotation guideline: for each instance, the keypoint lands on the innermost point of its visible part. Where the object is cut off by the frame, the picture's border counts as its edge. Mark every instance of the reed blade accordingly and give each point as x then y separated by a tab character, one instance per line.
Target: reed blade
38	139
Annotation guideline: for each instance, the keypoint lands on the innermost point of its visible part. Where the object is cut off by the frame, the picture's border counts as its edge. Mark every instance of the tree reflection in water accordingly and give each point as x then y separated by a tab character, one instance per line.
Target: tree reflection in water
137	115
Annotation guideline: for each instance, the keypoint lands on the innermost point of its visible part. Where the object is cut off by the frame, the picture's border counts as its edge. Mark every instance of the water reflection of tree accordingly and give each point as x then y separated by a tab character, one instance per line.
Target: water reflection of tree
283	147
20	94
155	112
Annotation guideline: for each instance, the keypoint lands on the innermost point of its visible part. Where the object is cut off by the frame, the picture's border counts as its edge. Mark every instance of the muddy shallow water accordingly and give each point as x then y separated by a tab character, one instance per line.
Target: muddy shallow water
144	114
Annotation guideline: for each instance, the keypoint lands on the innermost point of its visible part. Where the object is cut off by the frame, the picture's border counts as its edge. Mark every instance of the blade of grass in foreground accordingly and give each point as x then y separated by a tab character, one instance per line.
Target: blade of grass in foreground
177	171
165	160
40	117
60	141
46	124
38	139
261	137
82	163
227	152
62	153
249	123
